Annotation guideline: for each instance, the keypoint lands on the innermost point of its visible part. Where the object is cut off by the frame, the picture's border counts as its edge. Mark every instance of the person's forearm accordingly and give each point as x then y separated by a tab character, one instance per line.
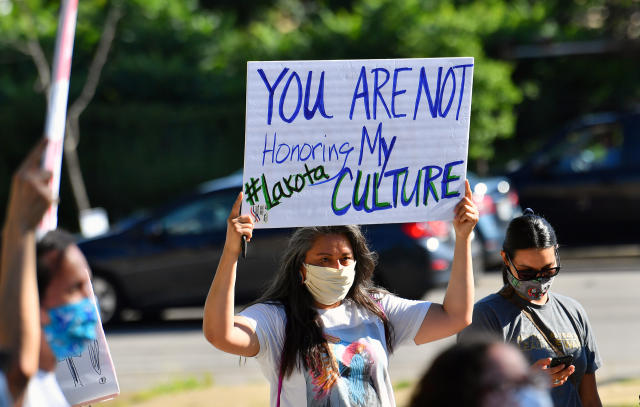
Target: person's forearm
19	318
594	402
589	391
218	321
458	300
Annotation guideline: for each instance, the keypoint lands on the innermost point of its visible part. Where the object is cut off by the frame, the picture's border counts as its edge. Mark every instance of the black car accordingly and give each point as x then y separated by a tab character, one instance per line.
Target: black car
586	181
168	258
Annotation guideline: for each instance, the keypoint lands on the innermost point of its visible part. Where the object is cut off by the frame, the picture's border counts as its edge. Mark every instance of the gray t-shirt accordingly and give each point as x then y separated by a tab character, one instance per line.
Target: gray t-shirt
564	316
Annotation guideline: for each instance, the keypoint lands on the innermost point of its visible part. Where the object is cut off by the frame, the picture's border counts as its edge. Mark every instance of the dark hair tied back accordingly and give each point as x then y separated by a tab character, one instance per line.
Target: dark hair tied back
529	231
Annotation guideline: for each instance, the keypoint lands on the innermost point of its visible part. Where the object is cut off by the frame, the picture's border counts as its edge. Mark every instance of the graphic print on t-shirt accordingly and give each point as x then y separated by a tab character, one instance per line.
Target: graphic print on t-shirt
347	377
568	341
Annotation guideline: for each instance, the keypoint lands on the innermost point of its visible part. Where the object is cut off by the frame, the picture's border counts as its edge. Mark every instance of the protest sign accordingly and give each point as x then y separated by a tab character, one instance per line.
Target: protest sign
57	106
356	141
89	377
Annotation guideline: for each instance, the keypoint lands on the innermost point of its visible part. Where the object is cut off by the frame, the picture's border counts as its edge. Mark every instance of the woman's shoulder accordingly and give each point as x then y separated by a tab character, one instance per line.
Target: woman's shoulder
386	299
568	303
270	305
495	306
490	301
401	308
570	308
378	293
381	297
264	311
565	299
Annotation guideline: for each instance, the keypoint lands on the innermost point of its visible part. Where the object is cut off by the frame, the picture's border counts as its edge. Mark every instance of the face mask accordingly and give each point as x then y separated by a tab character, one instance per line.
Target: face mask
526	396
531	396
531	289
328	285
72	326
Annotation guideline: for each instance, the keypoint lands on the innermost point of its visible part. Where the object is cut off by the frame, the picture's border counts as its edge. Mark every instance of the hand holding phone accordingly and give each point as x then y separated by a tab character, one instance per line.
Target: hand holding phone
565	360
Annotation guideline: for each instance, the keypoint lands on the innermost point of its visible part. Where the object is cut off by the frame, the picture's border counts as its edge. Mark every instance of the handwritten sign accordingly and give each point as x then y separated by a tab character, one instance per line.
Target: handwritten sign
356	142
89	377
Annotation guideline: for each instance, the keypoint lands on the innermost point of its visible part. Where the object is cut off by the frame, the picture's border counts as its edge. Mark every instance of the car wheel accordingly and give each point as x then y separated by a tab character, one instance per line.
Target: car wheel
108	299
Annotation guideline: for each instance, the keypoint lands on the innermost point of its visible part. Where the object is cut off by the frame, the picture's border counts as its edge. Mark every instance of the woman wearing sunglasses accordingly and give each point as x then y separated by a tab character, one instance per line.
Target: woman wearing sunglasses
552	330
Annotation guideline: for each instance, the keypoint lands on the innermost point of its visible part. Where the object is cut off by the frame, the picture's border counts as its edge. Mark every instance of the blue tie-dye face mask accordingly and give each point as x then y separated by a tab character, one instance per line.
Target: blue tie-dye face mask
72	326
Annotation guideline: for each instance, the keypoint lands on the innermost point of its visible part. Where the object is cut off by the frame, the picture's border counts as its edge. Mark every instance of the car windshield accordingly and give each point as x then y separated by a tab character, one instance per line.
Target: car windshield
202	215
587	149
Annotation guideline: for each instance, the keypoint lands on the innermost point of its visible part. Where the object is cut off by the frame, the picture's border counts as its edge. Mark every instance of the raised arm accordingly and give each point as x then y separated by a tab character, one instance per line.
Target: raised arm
222	329
20	309
455	312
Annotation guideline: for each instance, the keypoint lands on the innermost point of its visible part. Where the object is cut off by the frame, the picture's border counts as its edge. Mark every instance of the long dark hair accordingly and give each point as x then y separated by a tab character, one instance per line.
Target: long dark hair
304	342
529	231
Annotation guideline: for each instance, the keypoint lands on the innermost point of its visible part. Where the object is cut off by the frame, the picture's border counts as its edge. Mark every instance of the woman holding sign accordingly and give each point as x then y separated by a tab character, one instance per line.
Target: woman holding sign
322	332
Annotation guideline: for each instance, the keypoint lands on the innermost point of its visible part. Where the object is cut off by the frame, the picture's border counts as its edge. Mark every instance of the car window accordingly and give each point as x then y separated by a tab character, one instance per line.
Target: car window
588	149
204	215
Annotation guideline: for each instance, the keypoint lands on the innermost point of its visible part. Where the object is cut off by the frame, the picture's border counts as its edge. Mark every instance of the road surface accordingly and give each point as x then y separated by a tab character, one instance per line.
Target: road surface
146	354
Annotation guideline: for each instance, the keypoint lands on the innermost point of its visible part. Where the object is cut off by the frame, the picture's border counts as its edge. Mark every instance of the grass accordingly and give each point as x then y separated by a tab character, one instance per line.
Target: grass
176	386
403	384
200	392
621	393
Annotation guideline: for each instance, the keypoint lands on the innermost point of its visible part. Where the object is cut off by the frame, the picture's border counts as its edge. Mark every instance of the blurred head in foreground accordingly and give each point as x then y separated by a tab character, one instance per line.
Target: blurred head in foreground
483	373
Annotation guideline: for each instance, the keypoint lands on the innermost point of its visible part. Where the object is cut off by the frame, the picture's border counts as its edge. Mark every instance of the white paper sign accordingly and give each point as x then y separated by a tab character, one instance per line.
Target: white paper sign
356	142
89	377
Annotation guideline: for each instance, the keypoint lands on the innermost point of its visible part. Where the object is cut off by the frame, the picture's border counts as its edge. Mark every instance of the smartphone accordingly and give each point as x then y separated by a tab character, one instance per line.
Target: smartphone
561	360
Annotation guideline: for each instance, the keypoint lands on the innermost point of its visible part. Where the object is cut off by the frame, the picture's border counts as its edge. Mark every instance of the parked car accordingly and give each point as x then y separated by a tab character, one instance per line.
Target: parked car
498	203
586	181
167	258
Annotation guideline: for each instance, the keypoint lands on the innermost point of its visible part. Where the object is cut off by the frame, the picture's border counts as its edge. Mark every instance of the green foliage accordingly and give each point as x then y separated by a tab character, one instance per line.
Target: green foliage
169	110
392	29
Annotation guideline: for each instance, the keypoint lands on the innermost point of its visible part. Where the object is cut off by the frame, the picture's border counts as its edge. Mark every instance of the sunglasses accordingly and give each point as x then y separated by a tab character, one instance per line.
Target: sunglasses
532	274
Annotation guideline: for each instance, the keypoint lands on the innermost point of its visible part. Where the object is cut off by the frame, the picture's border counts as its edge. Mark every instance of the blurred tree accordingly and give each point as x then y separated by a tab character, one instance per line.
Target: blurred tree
571	58
24	23
23	34
294	29
169	109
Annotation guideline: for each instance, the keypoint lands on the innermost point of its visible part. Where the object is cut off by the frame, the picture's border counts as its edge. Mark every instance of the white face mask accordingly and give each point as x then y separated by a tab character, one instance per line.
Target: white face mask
328	285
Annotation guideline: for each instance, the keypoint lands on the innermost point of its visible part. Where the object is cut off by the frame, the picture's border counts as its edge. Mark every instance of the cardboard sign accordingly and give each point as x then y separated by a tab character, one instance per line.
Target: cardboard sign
356	142
89	377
